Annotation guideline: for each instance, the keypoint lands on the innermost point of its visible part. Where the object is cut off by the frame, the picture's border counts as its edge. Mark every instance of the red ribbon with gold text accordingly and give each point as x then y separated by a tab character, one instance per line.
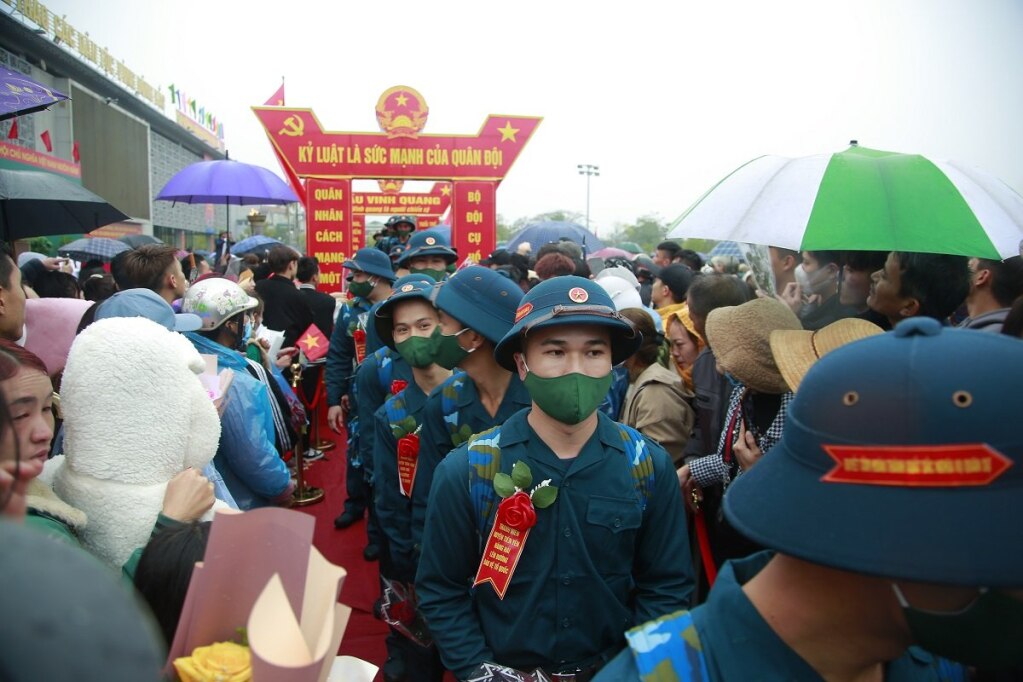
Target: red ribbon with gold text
408	459
515	516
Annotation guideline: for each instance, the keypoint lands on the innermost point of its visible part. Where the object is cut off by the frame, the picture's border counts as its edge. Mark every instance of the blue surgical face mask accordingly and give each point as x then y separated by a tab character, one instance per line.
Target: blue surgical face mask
247	331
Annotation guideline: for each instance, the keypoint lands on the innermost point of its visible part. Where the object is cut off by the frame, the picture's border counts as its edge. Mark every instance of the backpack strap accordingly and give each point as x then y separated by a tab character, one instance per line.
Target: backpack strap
396	409
484	463
668	649
640	462
450	392
385	368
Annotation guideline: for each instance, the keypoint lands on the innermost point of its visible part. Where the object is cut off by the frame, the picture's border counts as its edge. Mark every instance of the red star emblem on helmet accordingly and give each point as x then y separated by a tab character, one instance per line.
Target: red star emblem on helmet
578	295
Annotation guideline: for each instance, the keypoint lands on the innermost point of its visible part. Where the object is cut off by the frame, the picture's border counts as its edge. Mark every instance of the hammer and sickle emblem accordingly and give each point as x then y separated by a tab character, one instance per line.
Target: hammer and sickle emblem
293	127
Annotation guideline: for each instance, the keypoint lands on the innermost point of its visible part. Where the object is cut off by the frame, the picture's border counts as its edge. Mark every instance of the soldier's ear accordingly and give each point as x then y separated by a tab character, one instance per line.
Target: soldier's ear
520	364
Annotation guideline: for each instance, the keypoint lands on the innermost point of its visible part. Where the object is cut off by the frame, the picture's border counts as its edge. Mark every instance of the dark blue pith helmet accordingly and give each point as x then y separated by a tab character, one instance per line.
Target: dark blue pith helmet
395	219
372	261
901	457
427	243
568	300
481	299
407	287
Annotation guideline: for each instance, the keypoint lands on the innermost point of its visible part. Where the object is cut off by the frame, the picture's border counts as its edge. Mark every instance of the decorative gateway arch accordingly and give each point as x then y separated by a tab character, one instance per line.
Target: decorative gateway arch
467	169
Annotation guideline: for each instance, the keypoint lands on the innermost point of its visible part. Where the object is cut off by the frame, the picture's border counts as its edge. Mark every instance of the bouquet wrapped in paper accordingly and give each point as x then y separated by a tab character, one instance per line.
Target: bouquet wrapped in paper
262	573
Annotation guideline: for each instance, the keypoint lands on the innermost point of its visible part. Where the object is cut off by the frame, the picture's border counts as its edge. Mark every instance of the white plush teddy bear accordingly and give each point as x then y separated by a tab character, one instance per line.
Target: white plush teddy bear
135	415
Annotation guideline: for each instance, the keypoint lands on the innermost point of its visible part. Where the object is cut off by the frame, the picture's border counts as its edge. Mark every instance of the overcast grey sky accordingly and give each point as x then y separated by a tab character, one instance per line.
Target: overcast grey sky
666	97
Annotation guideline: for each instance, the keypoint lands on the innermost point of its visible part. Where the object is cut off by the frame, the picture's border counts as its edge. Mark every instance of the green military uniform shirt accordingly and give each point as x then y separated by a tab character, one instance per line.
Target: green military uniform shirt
594	564
444	432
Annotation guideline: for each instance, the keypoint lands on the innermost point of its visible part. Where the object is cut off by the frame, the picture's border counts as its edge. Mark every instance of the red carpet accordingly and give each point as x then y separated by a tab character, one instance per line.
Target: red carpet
364	637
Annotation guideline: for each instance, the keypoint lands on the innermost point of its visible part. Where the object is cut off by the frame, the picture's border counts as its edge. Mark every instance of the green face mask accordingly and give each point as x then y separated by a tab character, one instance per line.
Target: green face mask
448	353
435	275
568	399
361	289
418	350
987	633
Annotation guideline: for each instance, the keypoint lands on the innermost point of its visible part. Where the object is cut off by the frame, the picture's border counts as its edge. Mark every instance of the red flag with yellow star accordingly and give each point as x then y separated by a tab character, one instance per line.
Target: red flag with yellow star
313	343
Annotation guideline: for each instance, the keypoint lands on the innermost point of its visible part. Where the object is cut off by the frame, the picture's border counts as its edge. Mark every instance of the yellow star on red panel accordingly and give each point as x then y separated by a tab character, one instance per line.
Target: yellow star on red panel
402	99
507	132
312	342
445	190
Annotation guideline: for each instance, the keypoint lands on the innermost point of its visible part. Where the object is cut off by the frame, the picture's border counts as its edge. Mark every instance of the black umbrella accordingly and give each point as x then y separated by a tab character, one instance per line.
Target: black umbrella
137	240
38	204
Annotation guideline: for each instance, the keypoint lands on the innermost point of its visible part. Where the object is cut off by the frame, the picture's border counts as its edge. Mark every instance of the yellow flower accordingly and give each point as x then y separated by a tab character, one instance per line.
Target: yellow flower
220	662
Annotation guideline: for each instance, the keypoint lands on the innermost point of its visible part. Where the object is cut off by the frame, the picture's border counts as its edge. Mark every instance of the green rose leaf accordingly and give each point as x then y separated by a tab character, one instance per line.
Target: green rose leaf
521	476
545	496
503	485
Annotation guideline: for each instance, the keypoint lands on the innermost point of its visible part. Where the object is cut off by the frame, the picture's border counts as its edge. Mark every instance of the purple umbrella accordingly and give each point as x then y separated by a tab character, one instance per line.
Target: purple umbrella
226	182
19	94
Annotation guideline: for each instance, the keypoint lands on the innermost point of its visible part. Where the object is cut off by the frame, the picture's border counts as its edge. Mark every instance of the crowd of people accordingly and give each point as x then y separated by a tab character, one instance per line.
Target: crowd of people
568	469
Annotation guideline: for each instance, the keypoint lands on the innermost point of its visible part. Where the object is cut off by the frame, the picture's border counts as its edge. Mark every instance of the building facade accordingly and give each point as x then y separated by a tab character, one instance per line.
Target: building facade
112	136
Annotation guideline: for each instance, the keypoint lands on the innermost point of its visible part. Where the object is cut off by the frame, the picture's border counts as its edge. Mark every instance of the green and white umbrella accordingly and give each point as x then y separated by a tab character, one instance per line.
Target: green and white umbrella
861	199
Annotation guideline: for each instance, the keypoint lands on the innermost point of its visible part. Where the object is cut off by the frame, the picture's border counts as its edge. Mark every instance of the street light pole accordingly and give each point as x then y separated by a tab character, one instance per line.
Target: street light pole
589	170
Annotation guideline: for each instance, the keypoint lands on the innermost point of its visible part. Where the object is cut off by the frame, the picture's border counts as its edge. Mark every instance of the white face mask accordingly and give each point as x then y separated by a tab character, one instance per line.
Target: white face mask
817	282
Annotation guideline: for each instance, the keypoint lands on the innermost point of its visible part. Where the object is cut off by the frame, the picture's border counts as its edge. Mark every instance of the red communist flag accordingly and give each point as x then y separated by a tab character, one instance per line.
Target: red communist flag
313	343
276	99
45	137
13	132
75	153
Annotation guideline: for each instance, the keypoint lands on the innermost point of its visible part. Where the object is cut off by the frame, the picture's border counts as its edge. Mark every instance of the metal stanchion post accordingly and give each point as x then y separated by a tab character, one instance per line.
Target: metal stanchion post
314	418
303	494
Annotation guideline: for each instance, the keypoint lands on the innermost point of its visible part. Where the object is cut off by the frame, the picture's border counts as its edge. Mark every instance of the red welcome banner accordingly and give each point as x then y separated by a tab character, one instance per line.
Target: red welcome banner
313	152
474	219
329	228
31	157
432	203
469	166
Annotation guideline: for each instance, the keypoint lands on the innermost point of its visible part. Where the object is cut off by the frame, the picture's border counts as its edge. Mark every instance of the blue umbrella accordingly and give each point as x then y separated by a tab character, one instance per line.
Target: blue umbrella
254	244
539	234
136	240
727	248
226	182
88	248
19	94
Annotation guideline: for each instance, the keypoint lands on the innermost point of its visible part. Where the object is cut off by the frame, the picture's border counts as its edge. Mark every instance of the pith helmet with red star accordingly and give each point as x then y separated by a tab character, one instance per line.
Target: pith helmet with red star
568	300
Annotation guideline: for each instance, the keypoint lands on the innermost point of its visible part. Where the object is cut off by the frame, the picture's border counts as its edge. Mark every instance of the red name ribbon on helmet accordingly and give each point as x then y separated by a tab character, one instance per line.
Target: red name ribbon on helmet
933	466
408	459
515	516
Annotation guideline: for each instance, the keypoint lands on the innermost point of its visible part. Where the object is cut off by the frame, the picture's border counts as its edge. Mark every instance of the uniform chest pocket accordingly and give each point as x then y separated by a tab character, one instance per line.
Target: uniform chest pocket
614	514
612	526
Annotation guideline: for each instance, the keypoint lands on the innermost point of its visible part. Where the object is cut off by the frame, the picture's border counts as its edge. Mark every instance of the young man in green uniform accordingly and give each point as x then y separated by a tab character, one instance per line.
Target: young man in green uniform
428	253
409	324
369	282
477	308
891	507
590	533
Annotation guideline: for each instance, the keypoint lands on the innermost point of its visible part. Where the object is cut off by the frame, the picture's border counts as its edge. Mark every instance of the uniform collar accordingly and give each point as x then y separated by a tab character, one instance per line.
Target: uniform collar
467	393
516	430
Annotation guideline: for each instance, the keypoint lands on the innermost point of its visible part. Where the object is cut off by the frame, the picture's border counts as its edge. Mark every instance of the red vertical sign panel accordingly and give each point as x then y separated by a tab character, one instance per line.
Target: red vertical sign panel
474	219
329	232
